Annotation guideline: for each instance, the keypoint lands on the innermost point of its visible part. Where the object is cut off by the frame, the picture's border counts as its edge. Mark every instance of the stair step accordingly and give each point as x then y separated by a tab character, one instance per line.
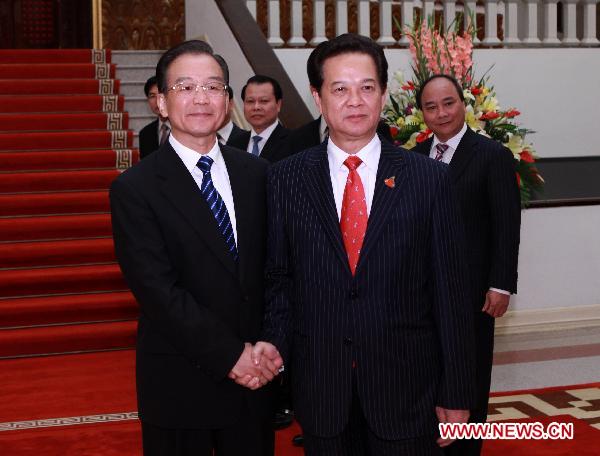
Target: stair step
58	140
56	253
49	310
67	338
42	71
59	160
55	227
61	280
54	203
63	122
57	181
59	86
61	103
53	56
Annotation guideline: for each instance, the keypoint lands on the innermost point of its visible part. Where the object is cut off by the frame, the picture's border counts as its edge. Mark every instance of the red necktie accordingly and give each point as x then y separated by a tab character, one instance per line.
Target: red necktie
439	151
353	222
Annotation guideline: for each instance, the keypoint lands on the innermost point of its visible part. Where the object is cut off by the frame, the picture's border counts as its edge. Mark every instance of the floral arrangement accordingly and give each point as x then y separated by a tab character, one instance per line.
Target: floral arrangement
434	52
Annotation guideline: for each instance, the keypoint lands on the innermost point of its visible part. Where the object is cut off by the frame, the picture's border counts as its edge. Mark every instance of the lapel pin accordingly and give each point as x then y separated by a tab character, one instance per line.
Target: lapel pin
390	182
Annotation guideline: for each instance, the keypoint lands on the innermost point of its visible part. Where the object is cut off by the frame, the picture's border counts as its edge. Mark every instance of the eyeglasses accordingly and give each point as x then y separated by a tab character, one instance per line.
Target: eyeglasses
188	89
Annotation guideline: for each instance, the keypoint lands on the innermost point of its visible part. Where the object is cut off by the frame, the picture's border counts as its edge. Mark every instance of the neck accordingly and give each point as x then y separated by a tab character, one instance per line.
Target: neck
201	144
350	145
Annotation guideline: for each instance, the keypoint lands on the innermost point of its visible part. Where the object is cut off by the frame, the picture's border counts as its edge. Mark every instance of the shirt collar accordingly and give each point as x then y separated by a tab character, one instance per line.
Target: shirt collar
266	133
369	154
452	142
226	130
190	157
322	129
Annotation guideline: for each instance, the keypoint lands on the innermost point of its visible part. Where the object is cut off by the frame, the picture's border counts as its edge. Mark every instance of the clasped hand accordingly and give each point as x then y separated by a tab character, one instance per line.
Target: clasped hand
257	366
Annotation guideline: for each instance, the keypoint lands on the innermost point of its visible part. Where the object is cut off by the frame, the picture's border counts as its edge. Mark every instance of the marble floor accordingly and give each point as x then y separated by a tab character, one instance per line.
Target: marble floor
543	359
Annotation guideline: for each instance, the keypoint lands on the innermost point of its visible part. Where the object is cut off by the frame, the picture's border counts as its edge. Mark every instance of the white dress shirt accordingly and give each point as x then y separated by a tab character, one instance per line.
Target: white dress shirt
265	134
452	144
218	172
447	158
225	132
367	170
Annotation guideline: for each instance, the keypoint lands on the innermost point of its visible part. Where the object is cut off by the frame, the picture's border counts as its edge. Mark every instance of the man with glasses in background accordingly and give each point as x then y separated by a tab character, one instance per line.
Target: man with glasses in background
189	227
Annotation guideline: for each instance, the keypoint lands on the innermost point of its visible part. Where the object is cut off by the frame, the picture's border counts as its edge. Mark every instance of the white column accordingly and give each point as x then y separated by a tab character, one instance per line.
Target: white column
385	23
274	36
471	9
511	25
428	9
341	17
318	22
449	14
491	24
589	23
407	19
296	19
531	22
550	37
251	5
570	23
364	18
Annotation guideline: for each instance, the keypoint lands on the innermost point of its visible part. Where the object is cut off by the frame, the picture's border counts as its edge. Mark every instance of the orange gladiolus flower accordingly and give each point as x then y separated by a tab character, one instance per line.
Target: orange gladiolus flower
408	86
423	135
489	115
393	131
512	113
476	90
526	156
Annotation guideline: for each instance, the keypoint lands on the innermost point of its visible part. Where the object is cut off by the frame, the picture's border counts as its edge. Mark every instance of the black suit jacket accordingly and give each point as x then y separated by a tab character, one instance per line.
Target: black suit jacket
309	135
198	306
483	177
402	318
276	148
148	139
236	136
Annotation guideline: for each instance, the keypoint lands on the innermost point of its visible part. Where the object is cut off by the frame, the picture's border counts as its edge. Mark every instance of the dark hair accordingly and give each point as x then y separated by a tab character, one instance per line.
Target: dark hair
454	82
230	92
187	47
347	43
149	83
262	79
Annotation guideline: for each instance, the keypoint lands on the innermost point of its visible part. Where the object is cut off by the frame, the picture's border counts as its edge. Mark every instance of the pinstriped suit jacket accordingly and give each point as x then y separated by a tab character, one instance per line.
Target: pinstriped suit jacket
402	318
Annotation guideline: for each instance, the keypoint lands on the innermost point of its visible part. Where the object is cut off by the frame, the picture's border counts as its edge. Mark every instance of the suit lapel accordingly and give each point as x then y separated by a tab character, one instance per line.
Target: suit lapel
269	151
391	165
179	188
463	154
317	180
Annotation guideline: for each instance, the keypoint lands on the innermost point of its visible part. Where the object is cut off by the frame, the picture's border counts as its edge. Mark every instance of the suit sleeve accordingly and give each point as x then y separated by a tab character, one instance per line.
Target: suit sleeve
452	312
188	326
278	310
505	213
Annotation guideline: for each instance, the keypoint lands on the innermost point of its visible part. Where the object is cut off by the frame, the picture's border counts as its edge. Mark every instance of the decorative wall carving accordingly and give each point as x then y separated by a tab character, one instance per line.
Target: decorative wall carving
142	24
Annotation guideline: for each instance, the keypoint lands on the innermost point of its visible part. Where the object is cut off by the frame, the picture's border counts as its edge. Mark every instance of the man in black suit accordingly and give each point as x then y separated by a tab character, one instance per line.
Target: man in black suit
230	133
262	98
365	275
483	177
157	131
189	227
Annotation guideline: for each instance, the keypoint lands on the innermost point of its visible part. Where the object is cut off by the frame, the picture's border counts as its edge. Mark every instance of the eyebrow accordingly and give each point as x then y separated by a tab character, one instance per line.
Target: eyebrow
361	82
189	78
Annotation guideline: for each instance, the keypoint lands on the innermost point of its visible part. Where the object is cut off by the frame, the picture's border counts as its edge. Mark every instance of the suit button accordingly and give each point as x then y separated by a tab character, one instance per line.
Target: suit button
347	341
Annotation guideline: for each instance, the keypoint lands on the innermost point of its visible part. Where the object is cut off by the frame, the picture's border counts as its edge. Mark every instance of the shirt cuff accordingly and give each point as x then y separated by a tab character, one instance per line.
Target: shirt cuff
504	292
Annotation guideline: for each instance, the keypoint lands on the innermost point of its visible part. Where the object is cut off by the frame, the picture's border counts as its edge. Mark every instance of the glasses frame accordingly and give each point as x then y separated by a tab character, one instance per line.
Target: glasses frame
197	89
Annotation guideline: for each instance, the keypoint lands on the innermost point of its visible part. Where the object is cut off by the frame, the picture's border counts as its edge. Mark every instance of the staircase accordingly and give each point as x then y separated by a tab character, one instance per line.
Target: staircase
63	138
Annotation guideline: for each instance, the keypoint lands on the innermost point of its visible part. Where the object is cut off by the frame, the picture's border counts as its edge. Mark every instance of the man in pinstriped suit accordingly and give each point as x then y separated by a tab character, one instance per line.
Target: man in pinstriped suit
365	275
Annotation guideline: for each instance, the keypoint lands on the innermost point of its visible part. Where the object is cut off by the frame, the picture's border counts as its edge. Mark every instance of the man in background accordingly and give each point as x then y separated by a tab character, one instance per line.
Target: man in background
268	139
483	177
230	133
156	132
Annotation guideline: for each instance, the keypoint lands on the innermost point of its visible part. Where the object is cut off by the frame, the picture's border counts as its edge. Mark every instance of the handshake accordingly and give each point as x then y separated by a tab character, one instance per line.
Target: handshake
257	366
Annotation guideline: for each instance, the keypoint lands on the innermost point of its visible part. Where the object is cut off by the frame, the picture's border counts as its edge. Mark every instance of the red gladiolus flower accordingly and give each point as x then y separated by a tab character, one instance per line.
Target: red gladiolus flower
423	135
408	86
476	90
489	115
512	113
518	180
393	131
526	156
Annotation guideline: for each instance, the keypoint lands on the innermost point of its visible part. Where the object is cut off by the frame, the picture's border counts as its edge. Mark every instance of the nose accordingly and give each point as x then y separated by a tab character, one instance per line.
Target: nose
355	97
199	95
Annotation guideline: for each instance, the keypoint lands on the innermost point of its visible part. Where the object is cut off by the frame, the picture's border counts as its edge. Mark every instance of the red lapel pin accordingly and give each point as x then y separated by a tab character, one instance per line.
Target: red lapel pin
390	182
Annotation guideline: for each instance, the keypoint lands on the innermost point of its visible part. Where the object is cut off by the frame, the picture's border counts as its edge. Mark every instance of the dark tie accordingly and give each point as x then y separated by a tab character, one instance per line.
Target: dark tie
164	133
256	140
439	151
353	220
217	205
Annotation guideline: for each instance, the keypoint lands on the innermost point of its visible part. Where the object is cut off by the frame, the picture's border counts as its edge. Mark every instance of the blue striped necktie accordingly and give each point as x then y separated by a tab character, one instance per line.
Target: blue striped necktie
217	205
256	140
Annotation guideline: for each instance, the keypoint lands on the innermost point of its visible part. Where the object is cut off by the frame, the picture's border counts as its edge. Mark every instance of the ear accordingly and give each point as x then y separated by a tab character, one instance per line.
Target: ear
315	94
384	96
162	105
278	103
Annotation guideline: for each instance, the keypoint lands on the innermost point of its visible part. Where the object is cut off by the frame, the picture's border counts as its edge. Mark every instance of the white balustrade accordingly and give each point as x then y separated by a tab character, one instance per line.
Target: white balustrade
385	23
274	38
296	38
318	22
528	23
550	37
